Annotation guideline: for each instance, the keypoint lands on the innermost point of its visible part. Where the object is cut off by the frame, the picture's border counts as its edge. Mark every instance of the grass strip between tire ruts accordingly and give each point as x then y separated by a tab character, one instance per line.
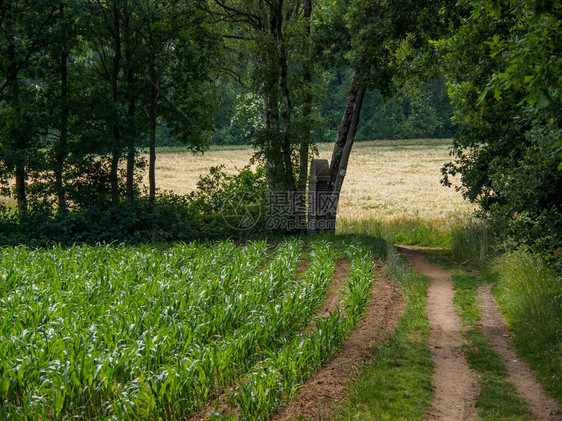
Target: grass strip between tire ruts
498	397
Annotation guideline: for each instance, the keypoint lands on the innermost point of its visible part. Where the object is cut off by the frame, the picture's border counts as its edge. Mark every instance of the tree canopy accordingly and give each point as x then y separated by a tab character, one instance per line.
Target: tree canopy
504	71
85	85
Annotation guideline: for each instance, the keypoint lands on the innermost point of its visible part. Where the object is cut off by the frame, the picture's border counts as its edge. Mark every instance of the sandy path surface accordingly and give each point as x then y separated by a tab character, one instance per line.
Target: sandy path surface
520	374
455	384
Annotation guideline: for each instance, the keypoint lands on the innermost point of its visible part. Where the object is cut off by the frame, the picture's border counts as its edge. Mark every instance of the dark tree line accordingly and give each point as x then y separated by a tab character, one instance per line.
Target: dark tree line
83	83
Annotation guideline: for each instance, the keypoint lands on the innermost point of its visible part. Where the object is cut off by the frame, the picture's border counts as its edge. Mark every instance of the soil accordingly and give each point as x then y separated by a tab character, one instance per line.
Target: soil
456	386
520	374
334	296
328	386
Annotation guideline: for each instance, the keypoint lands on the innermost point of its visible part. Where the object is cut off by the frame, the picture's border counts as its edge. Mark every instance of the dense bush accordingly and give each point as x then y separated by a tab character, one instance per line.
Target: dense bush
206	213
505	88
227	204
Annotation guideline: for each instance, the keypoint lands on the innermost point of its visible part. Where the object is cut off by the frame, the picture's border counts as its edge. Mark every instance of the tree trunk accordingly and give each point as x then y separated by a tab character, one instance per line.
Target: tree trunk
153	102
342	167
304	142
13	100
152	147
131	154
344	142
61	148
346	131
129	80
116	153
304	147
272	147
21	194
289	179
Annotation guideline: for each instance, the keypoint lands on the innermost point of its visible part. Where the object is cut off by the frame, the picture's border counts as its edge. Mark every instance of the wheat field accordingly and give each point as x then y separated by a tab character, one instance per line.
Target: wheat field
387	181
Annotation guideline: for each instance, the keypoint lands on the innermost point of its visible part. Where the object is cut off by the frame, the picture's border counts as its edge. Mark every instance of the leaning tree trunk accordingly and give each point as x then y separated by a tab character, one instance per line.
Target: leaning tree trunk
322	213
346	134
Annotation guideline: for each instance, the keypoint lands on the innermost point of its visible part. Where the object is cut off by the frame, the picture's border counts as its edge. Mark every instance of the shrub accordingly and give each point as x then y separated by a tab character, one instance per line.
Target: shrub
206	213
226	204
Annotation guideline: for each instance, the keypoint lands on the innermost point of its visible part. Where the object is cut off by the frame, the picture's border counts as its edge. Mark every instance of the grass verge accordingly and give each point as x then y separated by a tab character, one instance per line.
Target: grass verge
530	296
498	397
397	384
401	230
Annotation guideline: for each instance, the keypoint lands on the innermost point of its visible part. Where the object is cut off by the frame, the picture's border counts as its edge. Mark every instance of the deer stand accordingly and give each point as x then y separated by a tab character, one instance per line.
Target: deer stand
322	202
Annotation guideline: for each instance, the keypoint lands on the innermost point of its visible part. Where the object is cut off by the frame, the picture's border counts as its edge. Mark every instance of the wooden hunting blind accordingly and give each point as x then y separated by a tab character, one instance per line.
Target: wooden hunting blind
322	203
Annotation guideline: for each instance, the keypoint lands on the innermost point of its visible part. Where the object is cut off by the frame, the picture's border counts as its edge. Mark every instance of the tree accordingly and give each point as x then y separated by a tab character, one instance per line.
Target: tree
22	38
270	46
179	50
57	100
382	41
504	76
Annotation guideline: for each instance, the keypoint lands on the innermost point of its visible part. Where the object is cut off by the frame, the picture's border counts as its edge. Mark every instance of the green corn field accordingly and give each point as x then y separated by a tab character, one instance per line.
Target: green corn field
119	332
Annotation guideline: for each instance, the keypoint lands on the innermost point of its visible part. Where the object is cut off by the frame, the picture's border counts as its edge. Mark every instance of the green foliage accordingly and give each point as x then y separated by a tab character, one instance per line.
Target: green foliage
505	86
278	377
75	84
144	333
223	205
224	202
130	222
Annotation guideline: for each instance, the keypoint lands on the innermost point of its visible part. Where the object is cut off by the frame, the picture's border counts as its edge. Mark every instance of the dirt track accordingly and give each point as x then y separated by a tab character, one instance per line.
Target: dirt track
455	384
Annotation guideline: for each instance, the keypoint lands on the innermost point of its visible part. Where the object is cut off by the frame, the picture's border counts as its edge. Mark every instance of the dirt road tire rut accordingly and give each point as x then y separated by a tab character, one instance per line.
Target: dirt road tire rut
520	373
455	384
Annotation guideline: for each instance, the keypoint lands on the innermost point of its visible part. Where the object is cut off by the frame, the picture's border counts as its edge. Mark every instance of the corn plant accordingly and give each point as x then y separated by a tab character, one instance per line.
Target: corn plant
275	379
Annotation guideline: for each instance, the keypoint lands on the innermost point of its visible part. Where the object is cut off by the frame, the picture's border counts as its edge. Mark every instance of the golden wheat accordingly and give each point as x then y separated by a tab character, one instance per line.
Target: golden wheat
386	180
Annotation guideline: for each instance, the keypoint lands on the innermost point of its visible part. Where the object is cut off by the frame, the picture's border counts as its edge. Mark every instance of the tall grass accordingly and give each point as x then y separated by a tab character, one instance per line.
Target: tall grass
401	230
530	295
472	242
